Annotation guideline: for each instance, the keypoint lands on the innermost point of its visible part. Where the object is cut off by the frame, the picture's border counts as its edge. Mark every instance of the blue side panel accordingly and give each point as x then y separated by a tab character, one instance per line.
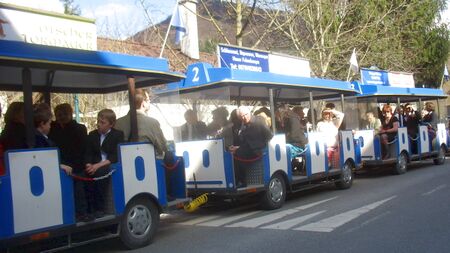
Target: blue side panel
308	160
377	147
178	182
118	188
357	151
6	212
229	169
266	167
289	163
68	202
341	153
161	176
326	158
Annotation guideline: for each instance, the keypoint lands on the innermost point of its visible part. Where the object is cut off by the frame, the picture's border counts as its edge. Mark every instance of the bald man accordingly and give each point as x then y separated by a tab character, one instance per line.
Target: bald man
253	138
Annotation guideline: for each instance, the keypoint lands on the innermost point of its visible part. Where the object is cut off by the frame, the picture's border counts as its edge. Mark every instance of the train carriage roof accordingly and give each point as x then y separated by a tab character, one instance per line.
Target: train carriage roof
254	85
57	69
389	94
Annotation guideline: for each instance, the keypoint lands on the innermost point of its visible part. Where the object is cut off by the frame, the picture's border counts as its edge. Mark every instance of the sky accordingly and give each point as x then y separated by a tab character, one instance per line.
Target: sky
122	18
114	18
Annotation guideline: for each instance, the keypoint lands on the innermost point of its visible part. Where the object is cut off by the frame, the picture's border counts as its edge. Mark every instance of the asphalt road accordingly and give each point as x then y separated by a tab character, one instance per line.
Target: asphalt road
380	213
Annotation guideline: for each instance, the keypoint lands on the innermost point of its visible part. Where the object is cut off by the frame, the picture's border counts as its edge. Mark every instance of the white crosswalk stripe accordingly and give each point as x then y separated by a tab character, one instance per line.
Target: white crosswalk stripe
331	223
225	220
255	222
304	207
284	225
200	220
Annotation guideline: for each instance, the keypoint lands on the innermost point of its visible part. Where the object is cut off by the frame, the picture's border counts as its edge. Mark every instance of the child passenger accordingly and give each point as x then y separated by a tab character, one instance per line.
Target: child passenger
101	152
42	118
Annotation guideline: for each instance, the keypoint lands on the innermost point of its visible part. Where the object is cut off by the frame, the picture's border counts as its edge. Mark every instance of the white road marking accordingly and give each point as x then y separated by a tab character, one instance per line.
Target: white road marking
255	222
365	223
442	186
304	207
284	225
199	220
225	220
331	223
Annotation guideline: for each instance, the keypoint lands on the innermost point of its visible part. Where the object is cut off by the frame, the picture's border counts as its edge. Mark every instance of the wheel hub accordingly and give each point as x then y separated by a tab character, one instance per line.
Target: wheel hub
139	221
347	174
276	190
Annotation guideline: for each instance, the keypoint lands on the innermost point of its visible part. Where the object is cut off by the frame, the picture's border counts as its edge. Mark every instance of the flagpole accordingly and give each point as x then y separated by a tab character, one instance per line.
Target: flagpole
168	29
351	63
348	74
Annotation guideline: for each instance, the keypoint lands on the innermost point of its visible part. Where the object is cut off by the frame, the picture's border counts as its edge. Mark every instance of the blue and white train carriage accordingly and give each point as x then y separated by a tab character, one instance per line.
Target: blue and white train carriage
36	197
414	140
208	162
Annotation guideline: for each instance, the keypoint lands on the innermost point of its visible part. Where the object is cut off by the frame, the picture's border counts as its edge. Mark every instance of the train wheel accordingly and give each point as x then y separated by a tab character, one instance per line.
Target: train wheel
139	223
402	164
440	159
346	178
275	193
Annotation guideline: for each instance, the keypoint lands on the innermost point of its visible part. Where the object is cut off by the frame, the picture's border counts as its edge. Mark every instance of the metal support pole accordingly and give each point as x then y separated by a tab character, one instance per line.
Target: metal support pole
133	116
77	107
398	110
272	110
28	107
311	108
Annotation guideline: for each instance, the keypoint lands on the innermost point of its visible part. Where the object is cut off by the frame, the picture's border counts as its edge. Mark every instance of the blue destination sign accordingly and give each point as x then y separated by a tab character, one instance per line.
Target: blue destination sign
374	77
386	78
243	59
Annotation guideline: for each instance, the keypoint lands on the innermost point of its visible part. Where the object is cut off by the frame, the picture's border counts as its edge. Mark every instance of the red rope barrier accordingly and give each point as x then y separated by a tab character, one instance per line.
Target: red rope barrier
92	178
247	160
173	166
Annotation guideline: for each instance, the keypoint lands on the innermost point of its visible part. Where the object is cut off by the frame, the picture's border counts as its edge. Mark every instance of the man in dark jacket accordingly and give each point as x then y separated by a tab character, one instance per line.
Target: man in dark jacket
70	137
253	138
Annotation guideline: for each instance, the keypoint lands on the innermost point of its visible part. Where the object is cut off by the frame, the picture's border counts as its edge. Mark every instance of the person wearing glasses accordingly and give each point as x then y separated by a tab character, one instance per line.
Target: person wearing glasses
388	129
253	138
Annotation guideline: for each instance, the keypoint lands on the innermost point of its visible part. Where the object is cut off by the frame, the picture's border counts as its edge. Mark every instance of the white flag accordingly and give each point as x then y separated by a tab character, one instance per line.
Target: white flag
354	62
446	77
189	44
178	23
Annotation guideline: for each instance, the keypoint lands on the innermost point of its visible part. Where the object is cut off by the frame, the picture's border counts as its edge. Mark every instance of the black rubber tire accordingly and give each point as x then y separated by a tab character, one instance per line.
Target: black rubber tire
346	177
402	164
440	159
275	193
139	223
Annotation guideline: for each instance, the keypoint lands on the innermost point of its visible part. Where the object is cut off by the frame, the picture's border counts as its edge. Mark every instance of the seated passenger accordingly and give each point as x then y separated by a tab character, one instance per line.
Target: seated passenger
388	130
193	129
230	133
280	119
411	119
42	119
263	114
329	126
13	135
253	138
70	137
295	131
372	122
101	152
430	118
219	121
